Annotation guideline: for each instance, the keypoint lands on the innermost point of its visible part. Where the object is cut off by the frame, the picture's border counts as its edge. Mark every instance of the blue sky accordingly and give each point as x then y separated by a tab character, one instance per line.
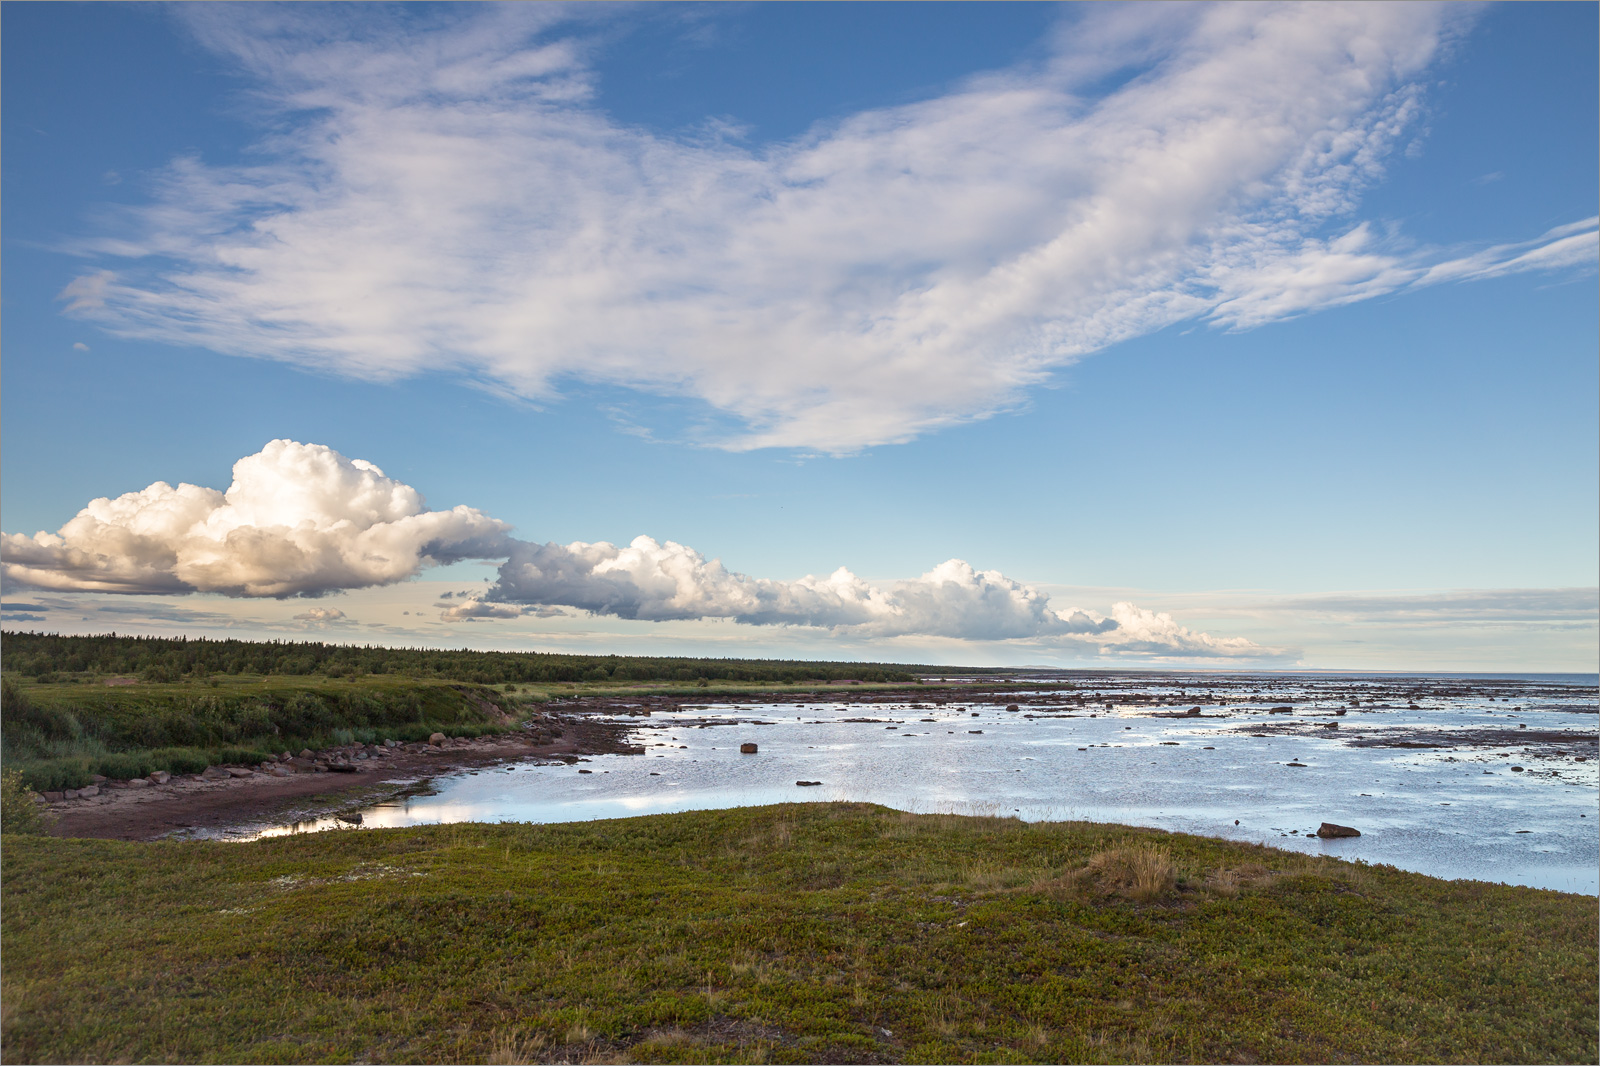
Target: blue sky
1277	322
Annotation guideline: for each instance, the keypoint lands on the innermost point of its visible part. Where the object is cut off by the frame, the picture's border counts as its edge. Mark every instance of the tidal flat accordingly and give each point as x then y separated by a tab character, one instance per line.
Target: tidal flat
1492	779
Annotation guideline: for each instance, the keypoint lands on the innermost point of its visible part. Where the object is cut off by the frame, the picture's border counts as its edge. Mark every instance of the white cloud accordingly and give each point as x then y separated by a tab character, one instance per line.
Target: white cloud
448	198
303	520
321	616
1352	267
86	294
654	581
1142	632
470	609
79	346
657	581
298	520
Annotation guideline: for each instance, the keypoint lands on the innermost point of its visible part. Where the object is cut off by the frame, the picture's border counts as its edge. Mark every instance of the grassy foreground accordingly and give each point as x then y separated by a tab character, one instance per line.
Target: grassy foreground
827	932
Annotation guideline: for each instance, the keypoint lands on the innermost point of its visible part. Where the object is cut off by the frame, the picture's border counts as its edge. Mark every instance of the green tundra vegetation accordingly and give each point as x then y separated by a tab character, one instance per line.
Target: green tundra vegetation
58	736
792	933
121	707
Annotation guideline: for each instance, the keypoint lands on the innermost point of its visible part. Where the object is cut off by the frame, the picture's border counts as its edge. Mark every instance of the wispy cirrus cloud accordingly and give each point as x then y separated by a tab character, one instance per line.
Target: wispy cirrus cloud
440	192
302	520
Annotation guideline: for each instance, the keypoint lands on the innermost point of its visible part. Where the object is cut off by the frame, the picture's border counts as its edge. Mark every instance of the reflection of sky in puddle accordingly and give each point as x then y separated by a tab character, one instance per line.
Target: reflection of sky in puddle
1435	811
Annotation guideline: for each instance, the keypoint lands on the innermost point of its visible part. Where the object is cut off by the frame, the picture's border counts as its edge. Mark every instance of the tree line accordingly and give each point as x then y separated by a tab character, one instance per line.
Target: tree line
53	657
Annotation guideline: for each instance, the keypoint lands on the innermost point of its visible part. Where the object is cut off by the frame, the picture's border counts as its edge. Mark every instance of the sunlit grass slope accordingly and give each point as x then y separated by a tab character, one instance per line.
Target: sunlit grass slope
792	933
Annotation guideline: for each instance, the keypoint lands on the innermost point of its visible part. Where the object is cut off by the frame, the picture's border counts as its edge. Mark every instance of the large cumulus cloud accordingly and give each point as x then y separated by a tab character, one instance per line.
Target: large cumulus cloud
298	520
304	520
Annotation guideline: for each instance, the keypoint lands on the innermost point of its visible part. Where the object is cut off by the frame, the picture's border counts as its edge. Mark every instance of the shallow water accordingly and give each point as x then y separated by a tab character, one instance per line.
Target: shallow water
1455	812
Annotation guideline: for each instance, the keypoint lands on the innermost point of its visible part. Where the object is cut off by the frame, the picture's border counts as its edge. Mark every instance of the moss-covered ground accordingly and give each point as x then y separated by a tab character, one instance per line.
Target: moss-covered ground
826	932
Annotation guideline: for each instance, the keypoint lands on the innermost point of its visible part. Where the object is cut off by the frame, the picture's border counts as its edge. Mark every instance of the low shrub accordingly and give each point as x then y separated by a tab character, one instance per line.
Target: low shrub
247	756
25	724
483	730
423	730
125	765
18	812
178	760
53	775
75	771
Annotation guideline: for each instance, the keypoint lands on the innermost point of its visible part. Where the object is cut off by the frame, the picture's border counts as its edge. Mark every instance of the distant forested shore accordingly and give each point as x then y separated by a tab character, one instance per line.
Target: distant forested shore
79	707
50	657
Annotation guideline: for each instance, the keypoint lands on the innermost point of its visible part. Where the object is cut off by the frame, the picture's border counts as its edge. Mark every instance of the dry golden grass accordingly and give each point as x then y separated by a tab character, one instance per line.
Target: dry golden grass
1134	871
516	1048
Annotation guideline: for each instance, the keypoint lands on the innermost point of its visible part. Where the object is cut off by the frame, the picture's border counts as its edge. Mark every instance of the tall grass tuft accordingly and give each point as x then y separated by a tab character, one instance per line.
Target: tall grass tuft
1136	871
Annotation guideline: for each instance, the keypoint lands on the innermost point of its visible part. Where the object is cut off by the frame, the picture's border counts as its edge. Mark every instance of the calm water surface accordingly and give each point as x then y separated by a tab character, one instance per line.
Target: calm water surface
1458	811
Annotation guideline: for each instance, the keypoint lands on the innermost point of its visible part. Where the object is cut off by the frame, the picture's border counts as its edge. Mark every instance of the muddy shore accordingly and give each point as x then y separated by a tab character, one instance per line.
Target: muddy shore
232	795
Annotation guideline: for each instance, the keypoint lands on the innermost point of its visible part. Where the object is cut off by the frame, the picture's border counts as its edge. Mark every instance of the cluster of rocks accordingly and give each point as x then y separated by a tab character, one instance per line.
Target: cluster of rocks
348	758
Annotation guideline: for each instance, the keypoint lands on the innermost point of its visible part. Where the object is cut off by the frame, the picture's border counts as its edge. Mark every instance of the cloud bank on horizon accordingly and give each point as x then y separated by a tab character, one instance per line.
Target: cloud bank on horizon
441	193
302	520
